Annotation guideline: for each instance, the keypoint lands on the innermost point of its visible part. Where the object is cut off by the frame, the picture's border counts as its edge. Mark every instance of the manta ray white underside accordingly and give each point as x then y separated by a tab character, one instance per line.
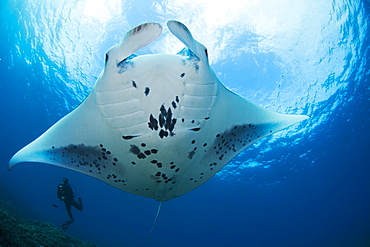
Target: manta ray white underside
155	125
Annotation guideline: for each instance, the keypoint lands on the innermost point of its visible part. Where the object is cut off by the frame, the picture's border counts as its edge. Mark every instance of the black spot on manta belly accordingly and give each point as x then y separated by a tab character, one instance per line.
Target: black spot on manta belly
147	91
141	156
161	120
195	129
163	133
87	159
134	84
168	119
153	123
165	120
129	137
191	154
163	110
172	125
134	149
237	138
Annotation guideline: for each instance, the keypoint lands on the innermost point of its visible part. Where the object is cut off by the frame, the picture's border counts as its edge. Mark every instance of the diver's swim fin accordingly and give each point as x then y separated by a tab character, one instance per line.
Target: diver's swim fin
66	225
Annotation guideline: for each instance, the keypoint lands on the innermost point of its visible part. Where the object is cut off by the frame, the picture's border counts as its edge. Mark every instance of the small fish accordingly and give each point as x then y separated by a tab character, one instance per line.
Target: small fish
54	205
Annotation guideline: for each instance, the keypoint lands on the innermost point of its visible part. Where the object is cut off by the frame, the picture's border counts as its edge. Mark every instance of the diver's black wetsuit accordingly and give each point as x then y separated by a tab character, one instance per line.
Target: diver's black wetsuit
65	194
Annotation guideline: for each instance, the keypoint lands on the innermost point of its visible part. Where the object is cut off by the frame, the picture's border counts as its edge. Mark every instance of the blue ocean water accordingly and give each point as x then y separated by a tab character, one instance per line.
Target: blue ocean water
308	185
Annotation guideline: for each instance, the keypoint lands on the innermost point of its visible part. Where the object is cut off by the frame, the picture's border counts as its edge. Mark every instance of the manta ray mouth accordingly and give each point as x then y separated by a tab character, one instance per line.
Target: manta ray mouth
125	63
185	52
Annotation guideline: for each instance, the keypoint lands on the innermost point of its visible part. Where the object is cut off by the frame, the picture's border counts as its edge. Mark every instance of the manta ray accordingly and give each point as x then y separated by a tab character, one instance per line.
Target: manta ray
157	125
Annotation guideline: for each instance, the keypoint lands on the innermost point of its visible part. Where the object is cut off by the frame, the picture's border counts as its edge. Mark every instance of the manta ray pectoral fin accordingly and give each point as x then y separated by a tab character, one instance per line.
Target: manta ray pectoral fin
183	34
135	39
241	123
255	114
79	140
81	131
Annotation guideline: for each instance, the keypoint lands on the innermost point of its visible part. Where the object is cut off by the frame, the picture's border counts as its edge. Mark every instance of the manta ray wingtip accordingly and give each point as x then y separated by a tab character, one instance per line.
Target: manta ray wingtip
13	161
300	118
26	155
293	119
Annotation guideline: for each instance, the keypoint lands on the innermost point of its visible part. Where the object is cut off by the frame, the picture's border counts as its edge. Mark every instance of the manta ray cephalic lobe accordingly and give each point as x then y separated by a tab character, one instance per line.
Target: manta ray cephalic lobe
155	125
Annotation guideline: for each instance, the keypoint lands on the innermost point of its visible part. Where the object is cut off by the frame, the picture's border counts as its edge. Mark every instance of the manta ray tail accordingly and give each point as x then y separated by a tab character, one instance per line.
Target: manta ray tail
155	220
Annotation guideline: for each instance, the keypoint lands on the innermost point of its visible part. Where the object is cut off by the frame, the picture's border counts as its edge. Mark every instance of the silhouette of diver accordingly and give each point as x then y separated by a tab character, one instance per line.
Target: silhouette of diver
66	195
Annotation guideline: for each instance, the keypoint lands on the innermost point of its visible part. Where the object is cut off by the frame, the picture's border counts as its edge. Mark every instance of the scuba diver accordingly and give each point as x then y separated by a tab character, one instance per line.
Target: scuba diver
66	195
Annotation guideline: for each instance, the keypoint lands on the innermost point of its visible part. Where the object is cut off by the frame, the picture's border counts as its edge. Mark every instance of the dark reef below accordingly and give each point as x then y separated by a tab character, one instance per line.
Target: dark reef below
15	231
